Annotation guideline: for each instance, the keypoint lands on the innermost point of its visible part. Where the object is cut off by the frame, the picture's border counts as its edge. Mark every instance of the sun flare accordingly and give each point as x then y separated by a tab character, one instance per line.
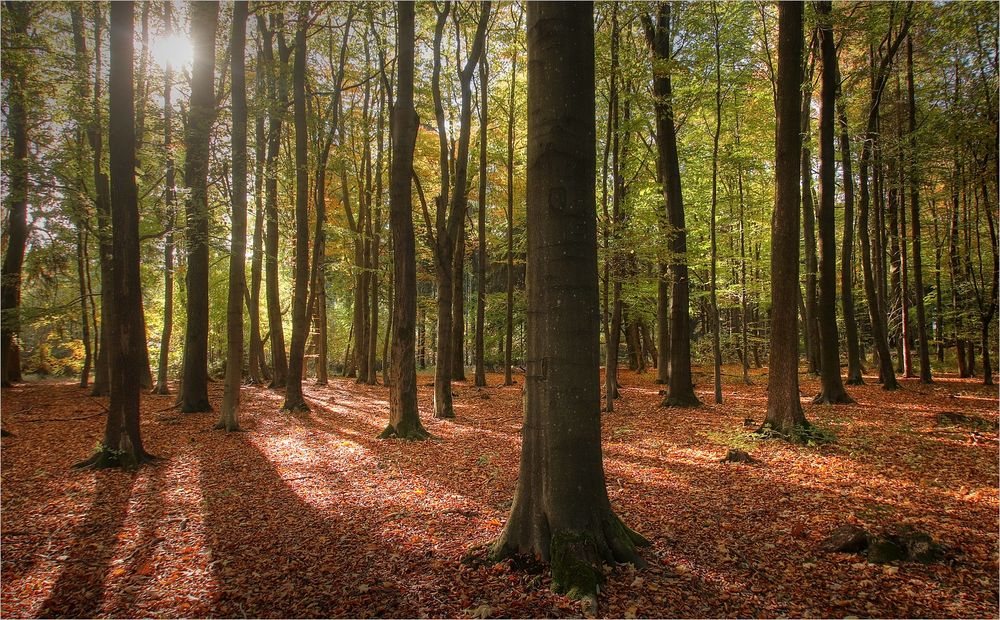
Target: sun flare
175	50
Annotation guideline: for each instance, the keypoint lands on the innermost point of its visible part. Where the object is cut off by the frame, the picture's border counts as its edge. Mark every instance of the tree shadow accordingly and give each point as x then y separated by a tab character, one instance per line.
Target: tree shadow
79	590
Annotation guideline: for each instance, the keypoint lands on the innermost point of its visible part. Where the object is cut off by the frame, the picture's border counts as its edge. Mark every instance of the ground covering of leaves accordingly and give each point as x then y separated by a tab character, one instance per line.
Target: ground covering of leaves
310	515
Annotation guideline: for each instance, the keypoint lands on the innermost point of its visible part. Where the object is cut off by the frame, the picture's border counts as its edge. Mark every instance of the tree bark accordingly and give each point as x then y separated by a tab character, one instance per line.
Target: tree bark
561	512
508	355
716	325
229	419
810	314
484	71
404	416
784	410
194	379
832	391
294	400
680	386
918	276
854	370
169	195
122	445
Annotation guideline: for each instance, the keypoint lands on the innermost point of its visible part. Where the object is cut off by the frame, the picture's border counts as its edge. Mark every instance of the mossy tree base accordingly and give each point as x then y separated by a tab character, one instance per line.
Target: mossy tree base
106	458
576	558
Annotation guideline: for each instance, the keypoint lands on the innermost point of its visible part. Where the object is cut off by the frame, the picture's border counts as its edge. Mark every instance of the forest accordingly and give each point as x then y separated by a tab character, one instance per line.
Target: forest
499	309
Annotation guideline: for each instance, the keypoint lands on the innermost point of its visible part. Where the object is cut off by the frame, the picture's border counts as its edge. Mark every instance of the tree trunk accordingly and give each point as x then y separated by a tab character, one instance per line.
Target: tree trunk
404	417
17	199
201	116
716	325
833	391
230	420
169	195
509	333
784	410
122	445
484	71
918	276
561	512
82	62
294	400
809	316
854	370
256	352
276	112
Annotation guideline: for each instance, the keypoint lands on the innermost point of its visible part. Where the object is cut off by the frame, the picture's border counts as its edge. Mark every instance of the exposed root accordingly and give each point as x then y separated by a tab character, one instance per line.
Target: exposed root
855	381
222	425
416	433
105	458
295	407
685	401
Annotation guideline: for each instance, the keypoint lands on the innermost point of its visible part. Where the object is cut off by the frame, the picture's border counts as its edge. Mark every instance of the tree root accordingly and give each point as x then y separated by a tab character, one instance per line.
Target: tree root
105	458
681	401
833	399
416	433
222	425
299	407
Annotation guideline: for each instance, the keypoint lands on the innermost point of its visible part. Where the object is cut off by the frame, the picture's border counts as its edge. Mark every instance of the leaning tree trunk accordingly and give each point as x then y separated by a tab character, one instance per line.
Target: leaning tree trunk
681	386
404	417
230	420
784	410
194	378
17	197
561	512
294	400
833	391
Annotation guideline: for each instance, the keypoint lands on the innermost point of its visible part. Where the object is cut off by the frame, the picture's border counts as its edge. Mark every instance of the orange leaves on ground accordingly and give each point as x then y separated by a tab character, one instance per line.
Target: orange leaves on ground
310	515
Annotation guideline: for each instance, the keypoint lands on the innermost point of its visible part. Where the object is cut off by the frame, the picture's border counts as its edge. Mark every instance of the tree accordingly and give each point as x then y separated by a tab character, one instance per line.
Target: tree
484	99
918	276
15	69
201	115
169	195
713	286
680	391
122	444
450	215
404	416
238	245
508	354
833	391
294	400
784	411
561	512
854	376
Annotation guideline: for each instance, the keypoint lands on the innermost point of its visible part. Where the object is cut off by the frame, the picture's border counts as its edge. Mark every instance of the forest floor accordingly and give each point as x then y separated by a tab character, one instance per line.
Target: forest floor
310	515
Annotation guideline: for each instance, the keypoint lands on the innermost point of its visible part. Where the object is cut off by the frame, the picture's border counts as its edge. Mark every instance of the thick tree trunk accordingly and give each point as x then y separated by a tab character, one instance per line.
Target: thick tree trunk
122	445
294	400
17	201
404	417
833	391
230	420
784	410
194	379
561	512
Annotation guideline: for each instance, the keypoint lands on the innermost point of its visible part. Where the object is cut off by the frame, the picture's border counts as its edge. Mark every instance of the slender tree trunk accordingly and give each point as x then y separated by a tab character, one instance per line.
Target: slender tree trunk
744	311
918	276
484	72
82	62
508	356
956	275
169	194
681	386
256	351
294	400
404	417
230	420
784	410
833	391
194	382
101	385
561	512
716	325
854	369
810	315
276	112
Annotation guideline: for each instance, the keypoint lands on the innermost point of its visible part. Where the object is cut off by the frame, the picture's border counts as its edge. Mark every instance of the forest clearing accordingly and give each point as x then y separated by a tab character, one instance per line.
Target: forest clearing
310	515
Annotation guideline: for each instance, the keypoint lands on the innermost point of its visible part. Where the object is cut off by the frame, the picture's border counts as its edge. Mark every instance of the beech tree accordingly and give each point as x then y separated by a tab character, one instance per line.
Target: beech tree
201	115
122	443
784	410
561	512
404	417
